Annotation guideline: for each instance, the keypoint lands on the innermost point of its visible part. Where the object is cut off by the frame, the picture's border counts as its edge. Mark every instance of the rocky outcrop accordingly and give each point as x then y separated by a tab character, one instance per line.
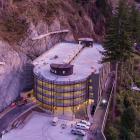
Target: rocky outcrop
16	61
16	64
10	74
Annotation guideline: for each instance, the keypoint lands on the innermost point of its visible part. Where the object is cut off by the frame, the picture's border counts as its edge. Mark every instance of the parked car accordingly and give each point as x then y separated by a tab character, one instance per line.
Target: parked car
21	101
81	126
55	121
63	125
85	122
78	132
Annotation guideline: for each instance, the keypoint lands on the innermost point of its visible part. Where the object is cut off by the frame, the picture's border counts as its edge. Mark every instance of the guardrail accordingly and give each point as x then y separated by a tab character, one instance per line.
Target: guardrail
107	109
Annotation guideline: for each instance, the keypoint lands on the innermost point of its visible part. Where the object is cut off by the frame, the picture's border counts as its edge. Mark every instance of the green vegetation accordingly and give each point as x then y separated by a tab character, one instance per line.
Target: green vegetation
39	10
16	16
135	24
126	125
118	45
104	7
123	31
12	26
82	2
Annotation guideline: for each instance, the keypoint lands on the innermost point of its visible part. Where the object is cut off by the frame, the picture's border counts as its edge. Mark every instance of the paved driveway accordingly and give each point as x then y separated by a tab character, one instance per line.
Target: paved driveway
39	128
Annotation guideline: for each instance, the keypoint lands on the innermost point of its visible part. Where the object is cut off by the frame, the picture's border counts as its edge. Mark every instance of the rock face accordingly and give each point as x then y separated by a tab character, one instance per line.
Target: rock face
16	66
10	74
23	20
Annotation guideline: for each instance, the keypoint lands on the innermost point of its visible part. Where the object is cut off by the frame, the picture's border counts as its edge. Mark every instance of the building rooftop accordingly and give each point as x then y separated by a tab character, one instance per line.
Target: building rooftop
85	60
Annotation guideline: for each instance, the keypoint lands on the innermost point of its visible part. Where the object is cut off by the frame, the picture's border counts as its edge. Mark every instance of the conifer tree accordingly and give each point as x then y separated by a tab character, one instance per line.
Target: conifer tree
118	44
135	24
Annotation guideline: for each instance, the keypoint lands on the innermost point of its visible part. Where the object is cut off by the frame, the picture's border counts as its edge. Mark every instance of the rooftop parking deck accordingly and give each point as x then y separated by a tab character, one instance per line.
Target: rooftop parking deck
85	60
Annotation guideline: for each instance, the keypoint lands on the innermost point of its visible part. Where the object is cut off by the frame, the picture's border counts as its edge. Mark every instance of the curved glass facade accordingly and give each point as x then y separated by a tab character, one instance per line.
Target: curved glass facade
65	94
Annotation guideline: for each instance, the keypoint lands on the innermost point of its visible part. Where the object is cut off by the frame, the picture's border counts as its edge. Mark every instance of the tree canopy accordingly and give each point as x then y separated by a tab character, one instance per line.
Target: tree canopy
122	31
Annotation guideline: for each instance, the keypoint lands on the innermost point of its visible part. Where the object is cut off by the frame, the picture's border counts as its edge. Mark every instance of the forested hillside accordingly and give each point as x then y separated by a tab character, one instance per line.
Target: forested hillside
121	40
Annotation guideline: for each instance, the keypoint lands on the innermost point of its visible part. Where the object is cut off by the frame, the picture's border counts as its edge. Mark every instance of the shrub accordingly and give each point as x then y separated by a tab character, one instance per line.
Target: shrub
112	133
13	27
48	9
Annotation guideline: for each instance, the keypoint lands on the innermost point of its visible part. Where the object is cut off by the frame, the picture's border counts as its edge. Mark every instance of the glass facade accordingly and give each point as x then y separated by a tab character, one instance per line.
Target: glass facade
66	94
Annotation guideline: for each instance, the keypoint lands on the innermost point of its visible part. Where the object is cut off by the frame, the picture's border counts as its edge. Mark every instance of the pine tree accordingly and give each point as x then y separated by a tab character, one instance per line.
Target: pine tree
111	42
135	24
118	44
128	119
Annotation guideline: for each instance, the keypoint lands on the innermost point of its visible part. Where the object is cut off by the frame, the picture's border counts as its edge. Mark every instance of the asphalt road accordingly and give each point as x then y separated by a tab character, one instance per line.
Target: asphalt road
95	130
10	116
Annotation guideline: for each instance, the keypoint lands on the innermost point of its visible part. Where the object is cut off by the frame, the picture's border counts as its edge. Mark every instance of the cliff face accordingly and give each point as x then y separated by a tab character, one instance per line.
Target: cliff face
20	21
10	73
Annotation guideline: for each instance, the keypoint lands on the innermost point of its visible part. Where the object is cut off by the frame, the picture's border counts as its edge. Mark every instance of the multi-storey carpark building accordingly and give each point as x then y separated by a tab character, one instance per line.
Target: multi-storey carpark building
70	75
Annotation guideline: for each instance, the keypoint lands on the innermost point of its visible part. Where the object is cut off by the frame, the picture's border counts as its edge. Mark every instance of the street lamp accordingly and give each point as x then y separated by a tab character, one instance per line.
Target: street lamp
104	101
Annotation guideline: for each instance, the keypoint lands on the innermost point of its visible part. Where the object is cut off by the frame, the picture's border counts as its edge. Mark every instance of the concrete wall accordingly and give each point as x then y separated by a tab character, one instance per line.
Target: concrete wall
99	82
95	84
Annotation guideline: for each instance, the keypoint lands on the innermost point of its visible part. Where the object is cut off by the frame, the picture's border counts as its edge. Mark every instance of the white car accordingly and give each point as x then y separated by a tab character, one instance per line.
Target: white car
85	122
81	126
78	132
54	121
